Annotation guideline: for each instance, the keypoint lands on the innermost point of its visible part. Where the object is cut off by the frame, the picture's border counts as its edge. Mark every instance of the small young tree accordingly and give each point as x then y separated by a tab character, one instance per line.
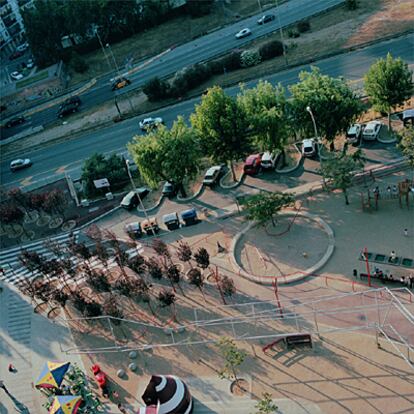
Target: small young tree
154	268
101	252
173	274
264	206
184	252
156	89
31	260
20	198
11	214
250	58
112	308
167	299
97	280
389	83
92	309
227	286
161	248
233	358
78	301
266	405
196	278
60	297
406	145
202	258
143	292
137	264
55	202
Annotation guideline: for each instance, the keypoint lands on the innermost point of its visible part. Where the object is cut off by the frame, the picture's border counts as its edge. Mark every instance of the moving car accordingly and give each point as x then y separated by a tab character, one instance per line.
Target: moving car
269	160
353	135
16	75
15	121
266	18
73	100
19	164
66	109
120	83
131	200
169	189
243	33
149	123
371	130
213	175
309	148
16	54
252	164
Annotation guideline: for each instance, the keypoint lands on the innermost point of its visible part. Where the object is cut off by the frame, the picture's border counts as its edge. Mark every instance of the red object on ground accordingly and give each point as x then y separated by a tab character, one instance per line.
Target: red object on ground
101	379
95	369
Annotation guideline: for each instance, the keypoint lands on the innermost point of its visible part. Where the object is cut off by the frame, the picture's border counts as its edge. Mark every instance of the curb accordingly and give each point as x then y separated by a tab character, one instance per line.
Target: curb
236	184
289	170
98	218
154	207
193	197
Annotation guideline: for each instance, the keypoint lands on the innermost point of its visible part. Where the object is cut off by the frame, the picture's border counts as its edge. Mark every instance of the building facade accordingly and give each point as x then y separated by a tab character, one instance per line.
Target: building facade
11	24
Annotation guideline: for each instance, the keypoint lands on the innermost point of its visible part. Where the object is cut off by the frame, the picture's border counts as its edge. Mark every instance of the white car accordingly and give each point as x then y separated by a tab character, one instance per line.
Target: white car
20	164
269	159
372	130
30	64
354	132
22	47
309	148
243	33
16	75
149	123
213	175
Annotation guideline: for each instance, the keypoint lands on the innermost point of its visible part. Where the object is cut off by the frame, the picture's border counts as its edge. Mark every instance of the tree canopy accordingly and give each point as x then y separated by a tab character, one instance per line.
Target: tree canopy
221	125
334	105
406	145
167	154
389	83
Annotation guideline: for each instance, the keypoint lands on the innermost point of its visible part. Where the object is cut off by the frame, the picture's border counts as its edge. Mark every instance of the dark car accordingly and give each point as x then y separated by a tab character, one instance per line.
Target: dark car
66	109
15	121
131	200
252	164
120	83
16	54
73	100
266	18
169	189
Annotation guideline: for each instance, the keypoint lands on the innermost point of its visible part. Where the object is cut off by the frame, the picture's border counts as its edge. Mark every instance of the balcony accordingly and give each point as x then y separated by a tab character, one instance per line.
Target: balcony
9	21
14	29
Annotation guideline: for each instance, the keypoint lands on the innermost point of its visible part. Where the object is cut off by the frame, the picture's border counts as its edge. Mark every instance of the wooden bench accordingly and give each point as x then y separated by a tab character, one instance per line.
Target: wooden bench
299	339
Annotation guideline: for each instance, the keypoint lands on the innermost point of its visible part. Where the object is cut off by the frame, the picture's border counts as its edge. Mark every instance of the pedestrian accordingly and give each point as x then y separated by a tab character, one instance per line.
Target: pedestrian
411	282
12	368
393	256
406	232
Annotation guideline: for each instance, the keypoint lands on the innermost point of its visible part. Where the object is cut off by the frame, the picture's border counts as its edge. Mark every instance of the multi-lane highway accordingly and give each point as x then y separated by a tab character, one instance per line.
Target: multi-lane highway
69	156
203	48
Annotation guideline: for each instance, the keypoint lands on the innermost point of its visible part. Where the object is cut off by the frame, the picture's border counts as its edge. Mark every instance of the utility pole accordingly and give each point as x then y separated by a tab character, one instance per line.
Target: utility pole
103	49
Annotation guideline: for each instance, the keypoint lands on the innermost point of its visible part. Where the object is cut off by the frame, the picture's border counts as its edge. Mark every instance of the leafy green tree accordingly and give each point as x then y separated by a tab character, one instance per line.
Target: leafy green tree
233	358
341	170
406	145
202	258
156	89
333	103
167	154
266	405
221	125
264	206
389	83
266	109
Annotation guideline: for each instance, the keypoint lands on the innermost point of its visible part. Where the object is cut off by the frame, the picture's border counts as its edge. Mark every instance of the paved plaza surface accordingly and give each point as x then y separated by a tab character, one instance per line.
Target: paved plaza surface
343	372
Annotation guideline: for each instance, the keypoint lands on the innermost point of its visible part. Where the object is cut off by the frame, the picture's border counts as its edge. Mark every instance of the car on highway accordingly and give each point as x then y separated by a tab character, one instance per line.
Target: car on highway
73	100
252	164
16	75
150	123
15	121
309	147
266	18
67	109
243	33
120	83
22	47
353	135
371	130
213	175
15	55
20	163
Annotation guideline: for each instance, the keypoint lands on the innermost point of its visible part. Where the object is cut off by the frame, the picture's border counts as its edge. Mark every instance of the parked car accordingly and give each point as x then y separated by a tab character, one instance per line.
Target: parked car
131	200
120	83
30	64
243	33
16	75
171	221
189	216
149	123
73	100
15	55
213	175
266	18
252	164
408	117
169	189
67	109
15	121
22	47
353	135
269	160
134	229
309	147
19	164
371	130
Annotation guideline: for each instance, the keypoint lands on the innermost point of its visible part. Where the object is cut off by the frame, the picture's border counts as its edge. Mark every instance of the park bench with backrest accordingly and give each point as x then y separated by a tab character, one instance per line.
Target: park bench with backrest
291	340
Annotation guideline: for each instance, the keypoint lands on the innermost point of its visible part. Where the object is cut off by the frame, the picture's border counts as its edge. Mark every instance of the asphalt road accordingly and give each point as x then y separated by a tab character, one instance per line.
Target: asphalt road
203	48
53	161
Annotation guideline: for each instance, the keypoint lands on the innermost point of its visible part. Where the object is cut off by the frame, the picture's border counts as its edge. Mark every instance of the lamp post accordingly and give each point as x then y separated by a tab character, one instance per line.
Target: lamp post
103	49
308	108
108	46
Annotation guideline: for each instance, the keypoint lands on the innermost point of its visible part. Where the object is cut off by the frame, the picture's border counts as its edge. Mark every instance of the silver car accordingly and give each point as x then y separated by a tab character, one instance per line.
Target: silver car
19	164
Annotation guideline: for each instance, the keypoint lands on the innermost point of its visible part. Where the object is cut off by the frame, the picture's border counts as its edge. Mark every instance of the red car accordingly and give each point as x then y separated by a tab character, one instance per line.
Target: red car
252	164
16	54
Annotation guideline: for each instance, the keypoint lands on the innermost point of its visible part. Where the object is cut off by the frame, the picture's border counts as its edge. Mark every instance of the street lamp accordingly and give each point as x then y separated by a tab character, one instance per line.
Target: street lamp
308	108
103	49
108	46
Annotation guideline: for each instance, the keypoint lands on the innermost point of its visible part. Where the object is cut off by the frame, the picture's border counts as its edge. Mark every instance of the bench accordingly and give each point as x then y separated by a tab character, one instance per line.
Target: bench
299	339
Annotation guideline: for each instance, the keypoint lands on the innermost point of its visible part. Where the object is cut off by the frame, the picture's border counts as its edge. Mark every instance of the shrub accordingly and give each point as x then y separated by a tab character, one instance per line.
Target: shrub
78	64
156	89
293	33
250	58
271	49
351	4
303	26
231	61
179	85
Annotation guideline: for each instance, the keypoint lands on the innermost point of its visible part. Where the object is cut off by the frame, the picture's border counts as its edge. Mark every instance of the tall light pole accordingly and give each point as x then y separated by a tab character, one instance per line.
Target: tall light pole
281	32
108	46
308	108
103	49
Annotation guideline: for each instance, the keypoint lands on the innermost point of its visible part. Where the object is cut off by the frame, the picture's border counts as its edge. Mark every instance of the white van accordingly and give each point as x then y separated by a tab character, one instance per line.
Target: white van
269	160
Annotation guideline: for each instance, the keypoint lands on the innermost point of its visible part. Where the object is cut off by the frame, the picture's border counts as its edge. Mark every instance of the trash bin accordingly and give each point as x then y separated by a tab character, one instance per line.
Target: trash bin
134	230
189	217
150	226
171	221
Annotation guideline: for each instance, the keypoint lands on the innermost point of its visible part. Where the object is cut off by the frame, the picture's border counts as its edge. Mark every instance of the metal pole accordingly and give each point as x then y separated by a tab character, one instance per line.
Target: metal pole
103	49
308	108
281	32
113	58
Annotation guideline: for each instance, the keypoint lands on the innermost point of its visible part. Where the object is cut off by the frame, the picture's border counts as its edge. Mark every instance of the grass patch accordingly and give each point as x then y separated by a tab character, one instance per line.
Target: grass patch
23	83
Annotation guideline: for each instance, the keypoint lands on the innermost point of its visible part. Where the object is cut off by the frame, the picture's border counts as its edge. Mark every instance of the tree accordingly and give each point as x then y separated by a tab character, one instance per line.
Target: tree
157	155
389	83
18	197
406	145
154	268
266	109
167	299
197	8
226	285
156	89
340	171
196	278
233	358
271	49
136	263
266	405
55	202
11	214
112	308
97	280
202	258
221	125
250	58
184	252
333	103
264	206
92	309
36	201
161	248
